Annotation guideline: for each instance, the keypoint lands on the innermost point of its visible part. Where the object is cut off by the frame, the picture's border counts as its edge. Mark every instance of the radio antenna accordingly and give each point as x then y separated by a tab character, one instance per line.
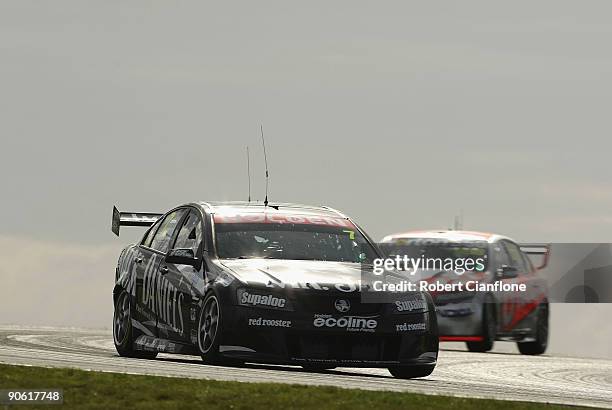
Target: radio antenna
249	171
263	142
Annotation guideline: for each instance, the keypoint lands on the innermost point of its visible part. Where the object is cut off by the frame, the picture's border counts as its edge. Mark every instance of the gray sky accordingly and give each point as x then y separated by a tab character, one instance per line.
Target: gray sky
399	114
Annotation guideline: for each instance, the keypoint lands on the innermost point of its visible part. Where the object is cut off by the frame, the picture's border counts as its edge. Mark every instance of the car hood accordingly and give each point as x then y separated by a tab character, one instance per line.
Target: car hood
296	273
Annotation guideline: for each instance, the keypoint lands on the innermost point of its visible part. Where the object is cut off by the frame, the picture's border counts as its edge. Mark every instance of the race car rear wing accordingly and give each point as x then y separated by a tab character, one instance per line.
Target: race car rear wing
539	249
132	219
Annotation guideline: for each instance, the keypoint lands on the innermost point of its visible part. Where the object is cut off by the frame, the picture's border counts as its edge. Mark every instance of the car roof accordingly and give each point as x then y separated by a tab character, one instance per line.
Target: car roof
239	207
450	235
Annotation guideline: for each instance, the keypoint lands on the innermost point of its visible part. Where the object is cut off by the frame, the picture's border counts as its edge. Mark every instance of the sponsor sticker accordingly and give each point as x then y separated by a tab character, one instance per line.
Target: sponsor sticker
280	218
251	299
261	322
342	305
410	305
350	323
410	327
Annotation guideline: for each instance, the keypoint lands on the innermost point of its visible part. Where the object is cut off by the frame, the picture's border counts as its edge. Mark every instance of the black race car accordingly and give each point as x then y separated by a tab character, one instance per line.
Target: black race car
276	284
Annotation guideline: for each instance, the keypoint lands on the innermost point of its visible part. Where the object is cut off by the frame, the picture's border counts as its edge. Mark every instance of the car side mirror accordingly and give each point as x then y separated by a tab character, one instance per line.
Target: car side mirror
183	257
507	272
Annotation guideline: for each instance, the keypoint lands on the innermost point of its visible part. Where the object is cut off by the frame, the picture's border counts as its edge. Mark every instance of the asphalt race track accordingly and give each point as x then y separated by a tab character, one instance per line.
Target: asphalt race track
502	376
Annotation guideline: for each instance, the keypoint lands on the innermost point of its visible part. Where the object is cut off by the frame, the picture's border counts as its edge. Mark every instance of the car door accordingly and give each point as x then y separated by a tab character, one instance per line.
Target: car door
513	308
145	261
154	293
184	282
498	260
534	294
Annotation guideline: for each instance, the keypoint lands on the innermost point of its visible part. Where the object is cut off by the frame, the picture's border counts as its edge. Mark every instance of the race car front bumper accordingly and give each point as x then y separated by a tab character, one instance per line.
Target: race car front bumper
273	336
456	320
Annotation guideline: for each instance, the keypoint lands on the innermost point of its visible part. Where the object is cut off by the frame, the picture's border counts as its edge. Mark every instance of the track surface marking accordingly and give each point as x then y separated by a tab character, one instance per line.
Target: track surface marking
563	380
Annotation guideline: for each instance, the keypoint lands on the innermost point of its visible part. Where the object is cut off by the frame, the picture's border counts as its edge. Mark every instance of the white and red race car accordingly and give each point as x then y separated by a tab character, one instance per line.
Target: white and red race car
482	311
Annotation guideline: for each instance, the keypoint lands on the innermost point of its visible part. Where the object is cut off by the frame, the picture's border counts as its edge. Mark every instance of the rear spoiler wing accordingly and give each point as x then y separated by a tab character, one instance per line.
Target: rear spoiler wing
540	249
132	219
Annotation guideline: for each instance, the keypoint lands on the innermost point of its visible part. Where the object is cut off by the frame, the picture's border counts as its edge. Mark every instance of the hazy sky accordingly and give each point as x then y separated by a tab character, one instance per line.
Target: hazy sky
398	113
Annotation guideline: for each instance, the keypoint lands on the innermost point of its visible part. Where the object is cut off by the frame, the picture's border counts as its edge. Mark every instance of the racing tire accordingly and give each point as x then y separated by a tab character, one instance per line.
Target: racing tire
489	328
411	372
122	329
539	345
209	325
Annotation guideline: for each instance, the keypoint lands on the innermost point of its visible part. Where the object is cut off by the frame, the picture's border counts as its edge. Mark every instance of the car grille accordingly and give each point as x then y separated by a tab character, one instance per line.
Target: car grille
366	347
326	304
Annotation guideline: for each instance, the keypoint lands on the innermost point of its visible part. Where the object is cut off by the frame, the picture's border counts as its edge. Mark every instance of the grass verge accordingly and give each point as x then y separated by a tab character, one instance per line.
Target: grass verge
96	390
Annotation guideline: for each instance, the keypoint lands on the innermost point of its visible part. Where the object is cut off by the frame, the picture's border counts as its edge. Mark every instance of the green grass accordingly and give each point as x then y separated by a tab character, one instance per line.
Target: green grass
96	390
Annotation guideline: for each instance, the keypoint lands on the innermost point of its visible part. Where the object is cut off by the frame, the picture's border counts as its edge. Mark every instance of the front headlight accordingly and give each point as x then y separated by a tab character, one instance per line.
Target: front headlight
254	298
224	278
456	309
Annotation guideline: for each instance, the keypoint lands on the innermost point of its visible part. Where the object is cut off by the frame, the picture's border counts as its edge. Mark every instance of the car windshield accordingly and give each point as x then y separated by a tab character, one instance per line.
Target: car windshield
292	241
435	249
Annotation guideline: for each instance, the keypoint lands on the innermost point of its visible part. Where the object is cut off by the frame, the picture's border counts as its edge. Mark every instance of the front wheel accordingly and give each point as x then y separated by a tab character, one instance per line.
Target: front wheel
539	345
209	326
122	329
411	372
